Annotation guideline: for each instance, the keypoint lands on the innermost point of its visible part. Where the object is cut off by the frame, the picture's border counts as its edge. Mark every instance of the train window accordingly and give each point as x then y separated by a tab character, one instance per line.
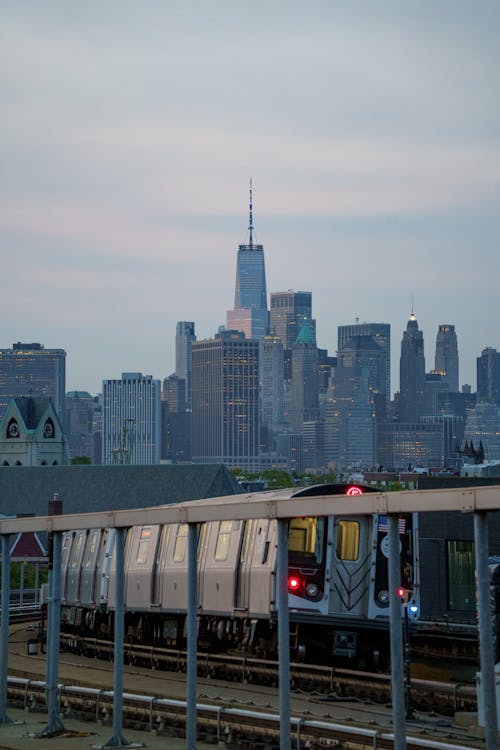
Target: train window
461	582
223	539
142	549
306	538
180	543
89	556
75	553
348	540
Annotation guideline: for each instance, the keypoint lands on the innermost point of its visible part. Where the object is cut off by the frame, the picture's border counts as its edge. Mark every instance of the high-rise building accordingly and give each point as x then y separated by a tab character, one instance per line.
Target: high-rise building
250	314
288	311
272	397
488	376
446	359
381	334
184	338
350	424
79	425
364	351
32	370
225	419
411	373
304	395
131	420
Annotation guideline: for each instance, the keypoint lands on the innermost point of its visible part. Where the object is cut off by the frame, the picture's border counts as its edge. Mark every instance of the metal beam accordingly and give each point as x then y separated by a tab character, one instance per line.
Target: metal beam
280	504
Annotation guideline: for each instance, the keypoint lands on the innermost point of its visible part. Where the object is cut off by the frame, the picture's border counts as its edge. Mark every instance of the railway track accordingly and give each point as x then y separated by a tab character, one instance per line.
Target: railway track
427	695
227	725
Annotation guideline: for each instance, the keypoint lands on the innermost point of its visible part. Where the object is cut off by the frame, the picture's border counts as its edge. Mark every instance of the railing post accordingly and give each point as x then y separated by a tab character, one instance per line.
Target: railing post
54	724
192	639
486	650
397	671
4	625
118	740
283	634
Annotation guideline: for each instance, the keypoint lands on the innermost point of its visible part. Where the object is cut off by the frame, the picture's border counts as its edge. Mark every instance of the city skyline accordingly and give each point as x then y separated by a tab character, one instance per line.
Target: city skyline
130	133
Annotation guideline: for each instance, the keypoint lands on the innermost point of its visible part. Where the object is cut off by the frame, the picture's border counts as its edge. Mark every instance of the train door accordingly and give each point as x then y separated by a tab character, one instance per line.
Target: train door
261	580
89	565
112	566
172	572
67	542
140	570
245	566
350	575
75	567
103	567
219	571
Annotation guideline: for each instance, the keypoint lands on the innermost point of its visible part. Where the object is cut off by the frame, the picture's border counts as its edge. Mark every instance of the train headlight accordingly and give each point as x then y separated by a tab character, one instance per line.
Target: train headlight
312	590
383	596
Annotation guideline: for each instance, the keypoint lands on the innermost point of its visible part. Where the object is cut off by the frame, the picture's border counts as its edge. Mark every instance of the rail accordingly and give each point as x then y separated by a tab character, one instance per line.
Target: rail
220	723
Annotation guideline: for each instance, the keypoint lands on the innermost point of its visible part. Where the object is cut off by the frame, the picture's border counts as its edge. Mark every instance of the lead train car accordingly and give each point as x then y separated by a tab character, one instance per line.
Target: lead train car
338	588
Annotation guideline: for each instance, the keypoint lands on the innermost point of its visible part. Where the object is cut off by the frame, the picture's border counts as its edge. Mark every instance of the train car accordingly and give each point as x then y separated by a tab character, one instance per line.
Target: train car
337	583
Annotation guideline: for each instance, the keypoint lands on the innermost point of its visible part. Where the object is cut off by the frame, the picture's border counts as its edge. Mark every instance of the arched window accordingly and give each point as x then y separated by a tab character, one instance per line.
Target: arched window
44	463
18	463
5	463
54	463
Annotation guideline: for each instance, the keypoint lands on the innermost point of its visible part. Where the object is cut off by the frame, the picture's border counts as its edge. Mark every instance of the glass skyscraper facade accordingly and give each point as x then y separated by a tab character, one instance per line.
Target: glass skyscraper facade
32	370
250	314
288	311
225	415
446	359
131	420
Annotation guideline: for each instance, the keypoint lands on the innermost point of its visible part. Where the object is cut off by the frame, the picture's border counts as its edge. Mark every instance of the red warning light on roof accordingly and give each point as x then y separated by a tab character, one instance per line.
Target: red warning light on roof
354	491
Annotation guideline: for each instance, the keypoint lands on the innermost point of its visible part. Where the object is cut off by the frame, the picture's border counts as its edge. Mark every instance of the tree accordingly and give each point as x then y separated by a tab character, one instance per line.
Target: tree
80	460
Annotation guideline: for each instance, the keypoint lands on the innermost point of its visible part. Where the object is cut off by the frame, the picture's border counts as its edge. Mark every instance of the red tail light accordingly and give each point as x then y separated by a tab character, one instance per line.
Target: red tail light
294	584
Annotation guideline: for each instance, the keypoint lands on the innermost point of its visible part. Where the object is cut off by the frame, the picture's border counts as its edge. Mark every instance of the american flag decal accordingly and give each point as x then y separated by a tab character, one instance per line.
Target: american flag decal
383	527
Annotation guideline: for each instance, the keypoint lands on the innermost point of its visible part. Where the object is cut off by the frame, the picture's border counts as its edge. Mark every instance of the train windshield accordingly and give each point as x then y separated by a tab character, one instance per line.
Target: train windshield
306	539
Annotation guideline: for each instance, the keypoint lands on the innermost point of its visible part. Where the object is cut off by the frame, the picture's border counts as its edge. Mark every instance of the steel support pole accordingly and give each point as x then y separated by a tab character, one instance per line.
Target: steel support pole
283	634
397	670
192	639
54	724
4	624
118	740
486	649
21	583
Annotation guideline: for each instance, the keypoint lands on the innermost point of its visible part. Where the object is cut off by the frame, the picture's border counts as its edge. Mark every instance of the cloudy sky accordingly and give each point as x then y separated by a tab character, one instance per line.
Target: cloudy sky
129	131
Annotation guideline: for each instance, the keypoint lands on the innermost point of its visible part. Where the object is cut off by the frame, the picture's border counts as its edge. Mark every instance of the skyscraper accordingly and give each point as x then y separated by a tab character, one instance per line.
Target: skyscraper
250	314
381	334
272	397
304	401
446	359
131	420
411	373
288	311
225	415
488	376
32	370
184	338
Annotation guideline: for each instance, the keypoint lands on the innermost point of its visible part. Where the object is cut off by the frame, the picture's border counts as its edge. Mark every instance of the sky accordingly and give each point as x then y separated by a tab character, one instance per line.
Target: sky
129	132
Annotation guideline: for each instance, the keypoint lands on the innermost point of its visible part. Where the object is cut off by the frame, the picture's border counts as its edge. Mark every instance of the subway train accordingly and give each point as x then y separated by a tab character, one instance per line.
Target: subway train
337	583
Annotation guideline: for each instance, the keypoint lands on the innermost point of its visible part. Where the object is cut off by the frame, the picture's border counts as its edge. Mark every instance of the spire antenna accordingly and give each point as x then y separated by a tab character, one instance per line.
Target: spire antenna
250	223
